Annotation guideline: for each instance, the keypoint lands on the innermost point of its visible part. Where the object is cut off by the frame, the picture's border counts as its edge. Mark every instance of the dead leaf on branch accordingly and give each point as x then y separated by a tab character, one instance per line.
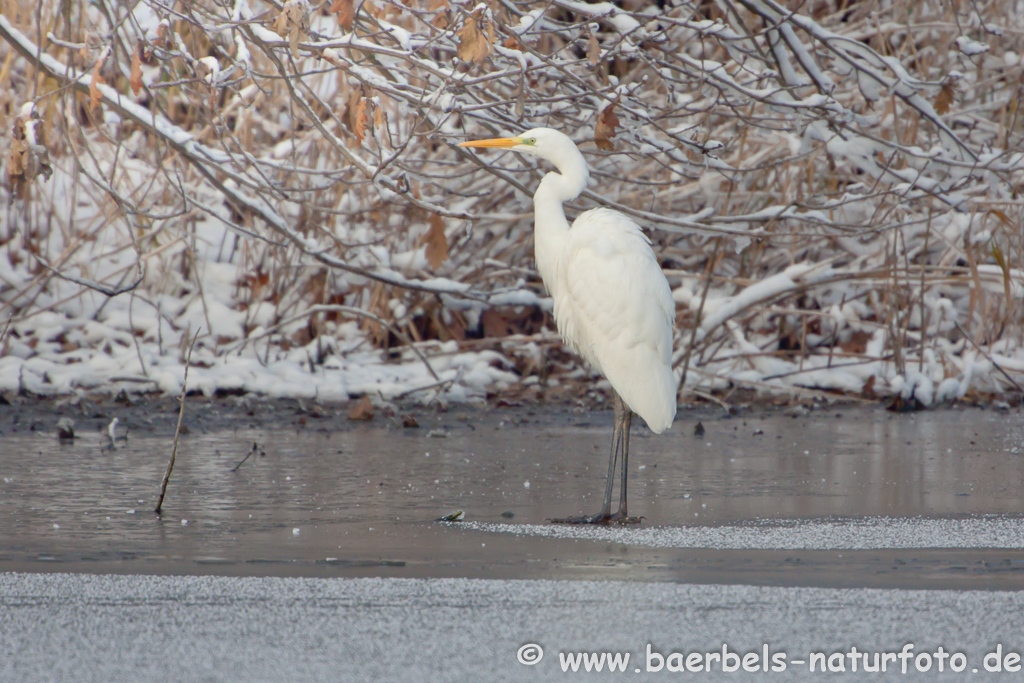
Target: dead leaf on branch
346	11
593	49
28	156
136	80
475	38
360	119
16	161
604	129
95	96
380	124
437	243
281	23
293	21
374	11
357	117
440	19
944	98
163	36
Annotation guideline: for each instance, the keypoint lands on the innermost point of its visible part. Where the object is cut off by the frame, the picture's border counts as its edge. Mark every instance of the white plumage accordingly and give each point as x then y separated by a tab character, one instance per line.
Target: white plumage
614	307
612	303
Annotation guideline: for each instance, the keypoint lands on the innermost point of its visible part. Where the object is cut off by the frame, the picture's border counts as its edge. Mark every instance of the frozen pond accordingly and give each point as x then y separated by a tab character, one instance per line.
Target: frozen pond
792	533
931	499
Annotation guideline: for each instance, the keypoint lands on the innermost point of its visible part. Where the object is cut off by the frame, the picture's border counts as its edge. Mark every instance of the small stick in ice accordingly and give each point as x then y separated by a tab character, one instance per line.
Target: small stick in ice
177	430
252	450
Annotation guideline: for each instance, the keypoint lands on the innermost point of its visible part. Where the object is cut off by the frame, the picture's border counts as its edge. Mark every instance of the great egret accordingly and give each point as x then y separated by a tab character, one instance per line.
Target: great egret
612	303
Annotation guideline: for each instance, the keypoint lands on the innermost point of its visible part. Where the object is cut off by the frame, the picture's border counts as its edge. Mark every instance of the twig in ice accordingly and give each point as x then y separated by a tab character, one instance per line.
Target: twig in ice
255	448
177	430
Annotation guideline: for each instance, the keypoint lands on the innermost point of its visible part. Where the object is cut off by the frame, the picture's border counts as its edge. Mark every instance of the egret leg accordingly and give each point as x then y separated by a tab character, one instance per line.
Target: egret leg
606	508
620	444
623	424
623	421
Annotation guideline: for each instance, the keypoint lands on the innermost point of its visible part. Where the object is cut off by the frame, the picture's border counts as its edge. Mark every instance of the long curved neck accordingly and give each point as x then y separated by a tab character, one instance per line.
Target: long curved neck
550	227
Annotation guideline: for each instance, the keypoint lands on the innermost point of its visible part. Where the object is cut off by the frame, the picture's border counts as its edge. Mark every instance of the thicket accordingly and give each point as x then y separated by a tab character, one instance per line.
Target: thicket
832	186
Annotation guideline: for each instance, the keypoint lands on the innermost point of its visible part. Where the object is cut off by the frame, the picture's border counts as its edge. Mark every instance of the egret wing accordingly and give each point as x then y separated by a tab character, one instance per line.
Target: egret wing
615	308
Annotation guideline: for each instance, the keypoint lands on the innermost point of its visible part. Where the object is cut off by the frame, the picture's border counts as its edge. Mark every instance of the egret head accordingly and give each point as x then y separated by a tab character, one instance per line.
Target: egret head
545	143
552	146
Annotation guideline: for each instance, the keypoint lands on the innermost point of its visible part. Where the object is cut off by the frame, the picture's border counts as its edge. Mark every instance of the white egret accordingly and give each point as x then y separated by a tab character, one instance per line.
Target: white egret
612	303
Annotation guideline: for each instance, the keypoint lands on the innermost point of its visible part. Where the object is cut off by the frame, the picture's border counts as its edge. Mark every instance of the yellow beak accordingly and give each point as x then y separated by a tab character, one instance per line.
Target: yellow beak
504	143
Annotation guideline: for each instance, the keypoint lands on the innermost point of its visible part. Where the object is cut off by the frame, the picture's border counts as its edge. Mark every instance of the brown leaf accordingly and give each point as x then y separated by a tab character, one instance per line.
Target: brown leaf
593	50
346	11
361	410
440	19
944	99
162	31
94	85
136	79
362	119
293	21
281	23
358	119
604	129
473	43
437	243
16	161
28	156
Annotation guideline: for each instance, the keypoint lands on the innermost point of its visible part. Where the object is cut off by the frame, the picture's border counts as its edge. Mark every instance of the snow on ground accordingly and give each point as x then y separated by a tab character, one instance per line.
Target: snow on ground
66	338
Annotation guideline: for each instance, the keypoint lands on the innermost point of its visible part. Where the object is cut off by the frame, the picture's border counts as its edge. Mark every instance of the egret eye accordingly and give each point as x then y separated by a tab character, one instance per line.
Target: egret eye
530	141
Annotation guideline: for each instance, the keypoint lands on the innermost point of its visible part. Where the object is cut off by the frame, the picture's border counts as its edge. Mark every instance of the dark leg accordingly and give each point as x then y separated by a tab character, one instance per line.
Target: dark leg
613	458
620	443
626	421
